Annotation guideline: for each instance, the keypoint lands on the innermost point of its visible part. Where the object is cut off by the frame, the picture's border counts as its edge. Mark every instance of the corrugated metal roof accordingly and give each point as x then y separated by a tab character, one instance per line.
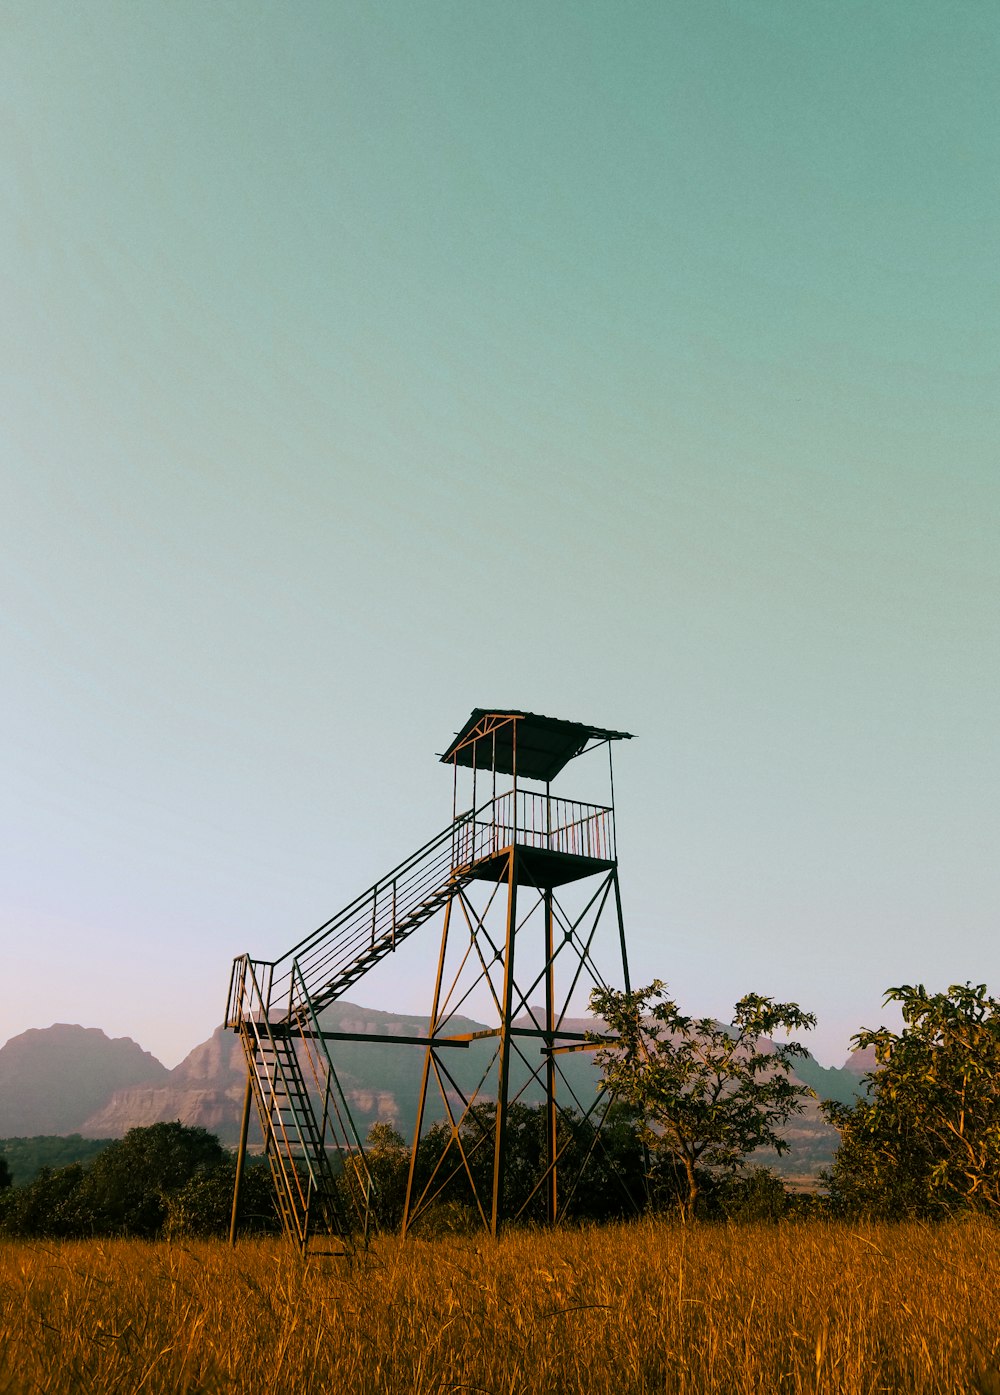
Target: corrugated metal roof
544	744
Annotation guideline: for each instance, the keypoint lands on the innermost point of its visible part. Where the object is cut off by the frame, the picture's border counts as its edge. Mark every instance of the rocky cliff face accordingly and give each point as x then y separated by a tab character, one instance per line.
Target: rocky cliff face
53	1079
861	1062
205	1089
380	1081
74	1079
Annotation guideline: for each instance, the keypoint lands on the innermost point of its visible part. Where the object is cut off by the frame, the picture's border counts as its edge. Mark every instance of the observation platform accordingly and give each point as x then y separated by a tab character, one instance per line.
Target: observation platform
557	840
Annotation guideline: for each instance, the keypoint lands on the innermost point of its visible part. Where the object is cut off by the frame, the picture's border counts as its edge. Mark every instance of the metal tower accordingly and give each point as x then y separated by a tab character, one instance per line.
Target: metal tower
525	886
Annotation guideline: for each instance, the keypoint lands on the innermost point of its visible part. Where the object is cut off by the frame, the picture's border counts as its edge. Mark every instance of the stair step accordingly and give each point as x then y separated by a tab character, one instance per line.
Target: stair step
284	1101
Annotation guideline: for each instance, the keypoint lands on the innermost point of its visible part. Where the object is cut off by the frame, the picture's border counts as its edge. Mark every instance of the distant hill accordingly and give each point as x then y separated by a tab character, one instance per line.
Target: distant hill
831	1082
53	1078
205	1089
64	1080
860	1062
27	1156
381	1081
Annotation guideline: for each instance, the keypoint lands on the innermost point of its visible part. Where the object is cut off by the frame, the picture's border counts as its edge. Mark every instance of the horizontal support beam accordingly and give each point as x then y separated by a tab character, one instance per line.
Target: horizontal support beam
521	1032
385	1039
578	1041
580	1046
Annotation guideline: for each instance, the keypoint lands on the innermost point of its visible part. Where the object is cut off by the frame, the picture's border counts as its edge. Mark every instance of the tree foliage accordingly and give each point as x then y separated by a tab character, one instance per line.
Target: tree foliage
127	1186
203	1206
154	1179
709	1095
27	1156
926	1140
611	1185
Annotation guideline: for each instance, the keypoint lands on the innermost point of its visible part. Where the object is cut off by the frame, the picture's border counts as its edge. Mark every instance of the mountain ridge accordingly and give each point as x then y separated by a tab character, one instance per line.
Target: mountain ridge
68	1079
53	1078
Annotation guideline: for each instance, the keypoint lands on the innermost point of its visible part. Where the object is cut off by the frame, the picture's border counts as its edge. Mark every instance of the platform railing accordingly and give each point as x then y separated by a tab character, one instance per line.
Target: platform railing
327	962
536	820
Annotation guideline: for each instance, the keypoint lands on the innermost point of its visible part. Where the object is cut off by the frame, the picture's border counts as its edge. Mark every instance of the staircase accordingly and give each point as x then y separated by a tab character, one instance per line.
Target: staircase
275	1008
275	1005
304	1121
335	956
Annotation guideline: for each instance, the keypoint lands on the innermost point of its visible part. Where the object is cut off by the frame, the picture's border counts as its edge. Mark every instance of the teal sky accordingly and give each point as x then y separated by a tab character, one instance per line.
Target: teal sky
634	363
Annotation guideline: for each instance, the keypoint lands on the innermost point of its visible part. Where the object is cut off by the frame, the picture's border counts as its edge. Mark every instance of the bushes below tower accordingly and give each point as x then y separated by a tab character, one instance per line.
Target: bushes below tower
167	1179
174	1181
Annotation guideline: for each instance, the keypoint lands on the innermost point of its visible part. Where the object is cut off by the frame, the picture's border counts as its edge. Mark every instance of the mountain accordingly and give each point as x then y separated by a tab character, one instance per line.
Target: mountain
76	1080
861	1062
381	1081
53	1078
831	1082
205	1089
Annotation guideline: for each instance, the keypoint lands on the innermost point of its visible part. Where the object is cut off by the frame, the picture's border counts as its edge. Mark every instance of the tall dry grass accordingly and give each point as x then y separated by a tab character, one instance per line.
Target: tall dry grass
810	1307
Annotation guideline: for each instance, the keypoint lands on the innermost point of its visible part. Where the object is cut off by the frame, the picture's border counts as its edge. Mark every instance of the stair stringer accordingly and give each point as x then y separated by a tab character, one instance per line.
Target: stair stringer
275	1008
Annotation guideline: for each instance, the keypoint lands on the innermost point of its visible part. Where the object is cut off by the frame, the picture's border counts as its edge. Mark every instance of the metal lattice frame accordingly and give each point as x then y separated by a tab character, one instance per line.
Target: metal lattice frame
496	872
482	948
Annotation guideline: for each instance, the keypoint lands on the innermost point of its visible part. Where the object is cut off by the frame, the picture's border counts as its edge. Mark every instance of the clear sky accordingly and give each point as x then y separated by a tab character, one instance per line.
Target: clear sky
629	362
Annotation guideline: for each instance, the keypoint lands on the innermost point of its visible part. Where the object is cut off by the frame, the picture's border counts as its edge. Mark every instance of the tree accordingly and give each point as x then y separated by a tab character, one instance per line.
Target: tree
601	1173
125	1189
165	1178
27	1156
709	1095
386	1166
926	1139
48	1206
203	1205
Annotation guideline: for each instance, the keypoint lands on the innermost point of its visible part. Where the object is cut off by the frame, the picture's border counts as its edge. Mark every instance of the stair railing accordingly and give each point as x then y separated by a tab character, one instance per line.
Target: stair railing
338	1122
342	949
264	1058
370	926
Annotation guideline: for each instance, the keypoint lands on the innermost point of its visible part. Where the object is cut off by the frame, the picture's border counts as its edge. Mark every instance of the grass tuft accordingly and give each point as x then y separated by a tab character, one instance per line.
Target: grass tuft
812	1308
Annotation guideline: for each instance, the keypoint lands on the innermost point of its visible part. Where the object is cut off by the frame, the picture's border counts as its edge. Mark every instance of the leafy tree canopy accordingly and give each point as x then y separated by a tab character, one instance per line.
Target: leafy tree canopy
926	1140
126	1190
203	1205
27	1156
127	1185
709	1095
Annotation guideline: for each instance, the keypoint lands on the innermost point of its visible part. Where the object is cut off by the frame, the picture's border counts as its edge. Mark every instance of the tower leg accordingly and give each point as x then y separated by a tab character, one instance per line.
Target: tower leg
503	1072
621	929
421	1102
551	1117
241	1154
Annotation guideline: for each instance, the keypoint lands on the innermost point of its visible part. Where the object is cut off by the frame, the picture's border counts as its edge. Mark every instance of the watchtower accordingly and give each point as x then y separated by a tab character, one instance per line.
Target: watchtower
524	885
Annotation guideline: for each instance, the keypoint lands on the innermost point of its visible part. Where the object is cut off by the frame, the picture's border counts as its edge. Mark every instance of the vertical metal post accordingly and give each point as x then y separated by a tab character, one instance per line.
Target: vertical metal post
421	1102
503	1070
611	779
513	768
241	1153
621	928
552	1192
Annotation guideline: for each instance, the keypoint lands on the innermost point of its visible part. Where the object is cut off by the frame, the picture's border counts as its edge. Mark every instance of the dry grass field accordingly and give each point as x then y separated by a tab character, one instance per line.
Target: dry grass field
803	1307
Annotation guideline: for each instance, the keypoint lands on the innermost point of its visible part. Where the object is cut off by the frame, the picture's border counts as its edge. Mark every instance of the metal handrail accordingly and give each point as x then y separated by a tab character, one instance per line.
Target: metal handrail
333	956
540	821
255	1023
315	1031
446	834
349	1146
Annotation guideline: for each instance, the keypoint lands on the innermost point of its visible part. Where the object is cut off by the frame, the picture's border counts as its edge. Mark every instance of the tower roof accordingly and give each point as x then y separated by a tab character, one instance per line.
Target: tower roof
544	744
